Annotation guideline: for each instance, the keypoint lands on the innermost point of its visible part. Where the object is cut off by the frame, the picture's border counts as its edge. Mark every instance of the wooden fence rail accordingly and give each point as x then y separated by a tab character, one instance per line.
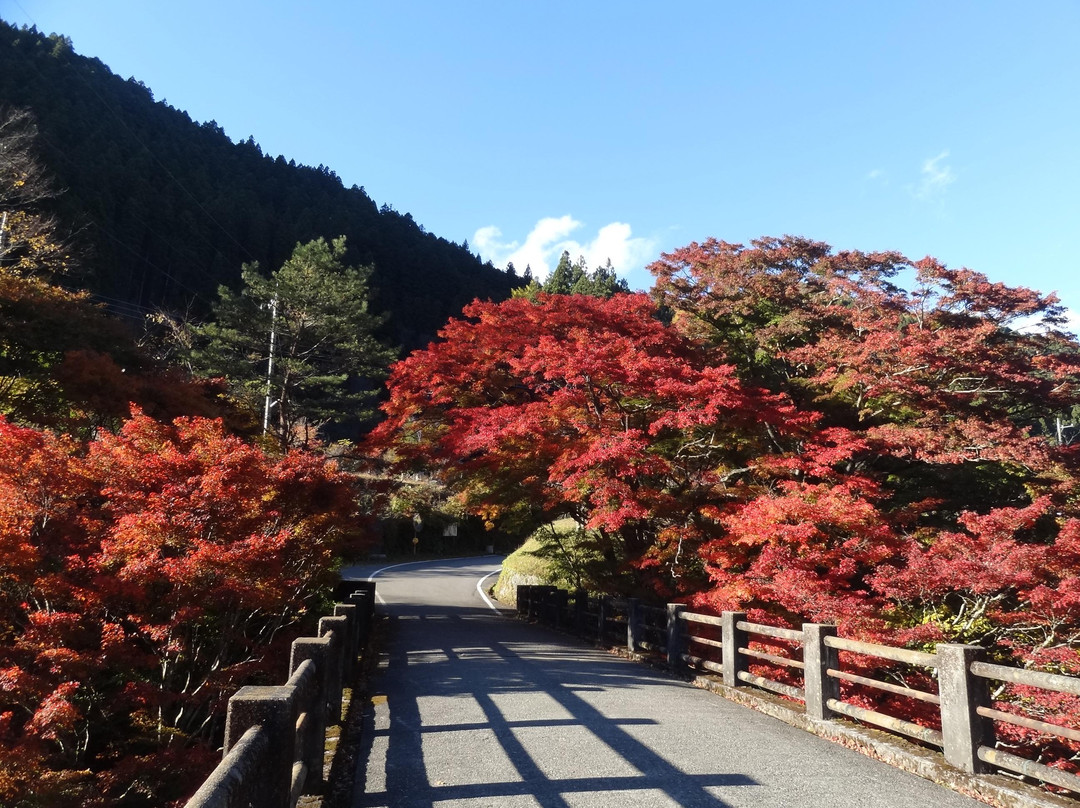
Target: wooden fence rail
728	645
275	737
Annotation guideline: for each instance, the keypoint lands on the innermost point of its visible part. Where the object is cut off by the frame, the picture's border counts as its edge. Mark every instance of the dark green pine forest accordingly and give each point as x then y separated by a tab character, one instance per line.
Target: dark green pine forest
163	209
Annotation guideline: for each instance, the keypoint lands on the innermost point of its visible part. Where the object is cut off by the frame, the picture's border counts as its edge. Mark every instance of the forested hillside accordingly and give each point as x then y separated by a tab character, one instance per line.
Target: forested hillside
167	208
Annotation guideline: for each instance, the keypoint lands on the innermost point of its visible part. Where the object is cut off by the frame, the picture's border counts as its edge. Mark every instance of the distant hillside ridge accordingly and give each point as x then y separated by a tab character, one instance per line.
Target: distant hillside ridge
168	208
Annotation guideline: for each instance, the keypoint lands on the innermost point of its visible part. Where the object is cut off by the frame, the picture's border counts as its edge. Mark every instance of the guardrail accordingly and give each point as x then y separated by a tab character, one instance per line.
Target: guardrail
804	665
275	737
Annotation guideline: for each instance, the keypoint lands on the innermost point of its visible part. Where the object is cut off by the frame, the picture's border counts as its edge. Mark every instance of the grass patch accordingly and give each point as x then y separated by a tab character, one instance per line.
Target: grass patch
532	563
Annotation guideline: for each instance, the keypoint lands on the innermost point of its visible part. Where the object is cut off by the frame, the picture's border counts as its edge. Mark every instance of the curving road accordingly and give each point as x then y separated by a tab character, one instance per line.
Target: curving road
472	708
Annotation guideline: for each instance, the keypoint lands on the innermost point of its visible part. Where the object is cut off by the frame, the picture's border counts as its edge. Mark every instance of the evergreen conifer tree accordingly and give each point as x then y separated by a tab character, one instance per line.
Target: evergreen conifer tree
299	345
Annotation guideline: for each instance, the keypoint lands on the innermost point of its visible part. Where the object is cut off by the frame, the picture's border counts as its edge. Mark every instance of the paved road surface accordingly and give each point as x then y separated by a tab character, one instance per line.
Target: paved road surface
476	709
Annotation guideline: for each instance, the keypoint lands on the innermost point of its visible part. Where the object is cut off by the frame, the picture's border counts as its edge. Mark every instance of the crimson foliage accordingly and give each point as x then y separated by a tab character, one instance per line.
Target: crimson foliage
925	497
584	406
142	576
806	440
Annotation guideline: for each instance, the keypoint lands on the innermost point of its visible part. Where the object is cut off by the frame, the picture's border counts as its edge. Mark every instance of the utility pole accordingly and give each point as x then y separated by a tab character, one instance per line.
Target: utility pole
270	364
1061	427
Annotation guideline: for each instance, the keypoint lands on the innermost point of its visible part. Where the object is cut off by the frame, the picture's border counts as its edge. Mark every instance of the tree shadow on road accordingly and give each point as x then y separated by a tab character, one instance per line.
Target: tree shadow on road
481	710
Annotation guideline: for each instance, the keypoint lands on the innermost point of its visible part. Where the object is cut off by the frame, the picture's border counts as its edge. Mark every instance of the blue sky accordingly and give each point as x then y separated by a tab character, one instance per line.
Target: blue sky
624	129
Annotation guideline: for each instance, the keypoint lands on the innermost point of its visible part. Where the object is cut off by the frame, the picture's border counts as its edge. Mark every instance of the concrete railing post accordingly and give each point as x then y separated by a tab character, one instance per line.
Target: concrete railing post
581	606
962	693
532	610
314	743
559	598
364	598
603	607
734	638
274	708
818	686
335	628
633	624
352	637
551	605
675	636
536	598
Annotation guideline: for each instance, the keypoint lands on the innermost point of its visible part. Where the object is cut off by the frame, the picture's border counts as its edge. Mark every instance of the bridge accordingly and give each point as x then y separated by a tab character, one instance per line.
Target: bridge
472	708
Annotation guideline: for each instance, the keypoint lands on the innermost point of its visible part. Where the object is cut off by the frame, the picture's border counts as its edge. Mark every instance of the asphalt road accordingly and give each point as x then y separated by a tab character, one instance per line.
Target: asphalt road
473	708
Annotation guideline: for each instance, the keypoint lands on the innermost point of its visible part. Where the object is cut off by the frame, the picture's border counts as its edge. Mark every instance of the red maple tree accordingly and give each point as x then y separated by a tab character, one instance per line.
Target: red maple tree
788	430
142	578
934	501
583	406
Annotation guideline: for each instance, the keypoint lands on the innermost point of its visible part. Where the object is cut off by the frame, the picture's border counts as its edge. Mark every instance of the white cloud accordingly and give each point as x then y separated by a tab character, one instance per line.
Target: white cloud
1072	321
551	236
936	177
1035	324
486	239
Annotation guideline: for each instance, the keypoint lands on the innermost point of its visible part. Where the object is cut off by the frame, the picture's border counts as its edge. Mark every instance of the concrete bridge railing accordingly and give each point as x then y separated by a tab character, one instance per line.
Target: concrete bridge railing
806	667
275	736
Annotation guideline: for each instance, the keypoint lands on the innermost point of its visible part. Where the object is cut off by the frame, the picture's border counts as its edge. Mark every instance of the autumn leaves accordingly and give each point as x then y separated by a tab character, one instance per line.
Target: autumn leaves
143	577
779	428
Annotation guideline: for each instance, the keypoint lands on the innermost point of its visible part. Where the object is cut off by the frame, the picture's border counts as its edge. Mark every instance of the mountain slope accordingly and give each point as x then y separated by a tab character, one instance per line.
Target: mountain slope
169	208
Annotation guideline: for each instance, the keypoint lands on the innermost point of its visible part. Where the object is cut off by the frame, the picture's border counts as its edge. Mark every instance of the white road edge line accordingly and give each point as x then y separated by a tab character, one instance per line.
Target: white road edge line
483	594
374	575
378	597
